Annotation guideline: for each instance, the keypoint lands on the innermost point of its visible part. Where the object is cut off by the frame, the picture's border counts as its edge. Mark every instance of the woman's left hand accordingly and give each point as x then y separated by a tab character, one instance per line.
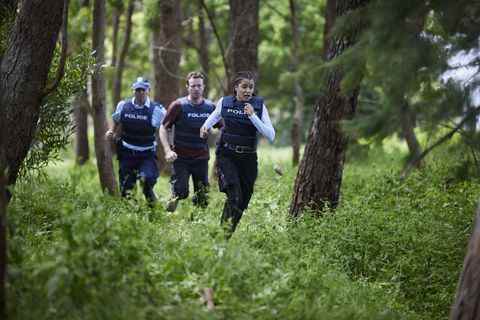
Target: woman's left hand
248	109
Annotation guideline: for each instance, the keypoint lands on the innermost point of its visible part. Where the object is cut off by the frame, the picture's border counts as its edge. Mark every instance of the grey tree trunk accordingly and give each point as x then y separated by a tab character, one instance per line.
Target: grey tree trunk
102	150
23	76
299	99
80	115
117	82
166	46
320	172
467	299
407	118
242	52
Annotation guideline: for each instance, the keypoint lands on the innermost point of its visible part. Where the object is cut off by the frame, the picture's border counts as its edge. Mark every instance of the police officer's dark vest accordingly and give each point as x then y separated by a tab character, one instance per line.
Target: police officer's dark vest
137	126
239	130
187	127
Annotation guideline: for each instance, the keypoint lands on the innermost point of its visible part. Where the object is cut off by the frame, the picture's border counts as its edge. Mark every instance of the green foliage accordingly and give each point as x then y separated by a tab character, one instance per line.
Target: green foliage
55	125
392	250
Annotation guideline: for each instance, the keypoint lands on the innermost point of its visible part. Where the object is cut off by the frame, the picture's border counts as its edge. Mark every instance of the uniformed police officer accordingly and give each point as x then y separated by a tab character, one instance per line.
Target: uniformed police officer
245	116
189	153
135	127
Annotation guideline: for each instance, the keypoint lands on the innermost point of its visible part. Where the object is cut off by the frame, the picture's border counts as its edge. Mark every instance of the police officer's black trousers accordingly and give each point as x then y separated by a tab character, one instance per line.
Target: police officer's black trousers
237	175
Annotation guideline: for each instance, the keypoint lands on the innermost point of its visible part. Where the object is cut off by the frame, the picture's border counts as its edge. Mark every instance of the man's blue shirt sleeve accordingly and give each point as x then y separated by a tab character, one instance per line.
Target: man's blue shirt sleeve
158	115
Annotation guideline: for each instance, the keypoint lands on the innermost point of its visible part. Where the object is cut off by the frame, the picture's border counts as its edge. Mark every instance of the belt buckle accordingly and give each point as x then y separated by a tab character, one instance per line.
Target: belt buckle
239	149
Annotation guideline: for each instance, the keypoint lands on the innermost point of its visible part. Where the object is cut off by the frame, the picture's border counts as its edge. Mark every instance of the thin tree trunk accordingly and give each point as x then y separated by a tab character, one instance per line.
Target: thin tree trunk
299	98
203	54
242	52
102	150
320	172
116	15
467	299
80	114
166	42
117	82
407	118
23	76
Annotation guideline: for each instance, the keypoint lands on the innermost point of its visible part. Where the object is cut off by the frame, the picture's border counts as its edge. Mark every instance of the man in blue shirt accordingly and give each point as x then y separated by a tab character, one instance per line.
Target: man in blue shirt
135	130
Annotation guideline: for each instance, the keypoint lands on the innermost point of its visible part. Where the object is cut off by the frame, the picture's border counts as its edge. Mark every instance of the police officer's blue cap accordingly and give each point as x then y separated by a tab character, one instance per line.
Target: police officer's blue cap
141	83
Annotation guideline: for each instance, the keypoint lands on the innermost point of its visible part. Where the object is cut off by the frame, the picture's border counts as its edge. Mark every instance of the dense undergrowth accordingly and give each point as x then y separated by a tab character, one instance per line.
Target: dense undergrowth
393	250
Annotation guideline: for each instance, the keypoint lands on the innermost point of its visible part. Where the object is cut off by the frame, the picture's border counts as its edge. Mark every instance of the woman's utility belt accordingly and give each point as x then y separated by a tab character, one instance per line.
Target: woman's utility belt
239	149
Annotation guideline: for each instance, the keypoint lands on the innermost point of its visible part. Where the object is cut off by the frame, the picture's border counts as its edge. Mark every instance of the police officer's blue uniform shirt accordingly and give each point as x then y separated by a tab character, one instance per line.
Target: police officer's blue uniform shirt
157	119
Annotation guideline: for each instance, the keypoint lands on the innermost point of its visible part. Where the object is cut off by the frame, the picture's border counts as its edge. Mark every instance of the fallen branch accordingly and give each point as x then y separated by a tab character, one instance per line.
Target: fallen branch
415	161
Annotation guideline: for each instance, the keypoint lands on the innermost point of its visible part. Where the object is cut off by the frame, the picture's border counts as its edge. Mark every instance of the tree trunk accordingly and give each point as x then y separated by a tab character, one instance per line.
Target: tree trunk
102	150
203	54
23	76
299	98
117	82
320	173
407	118
116	15
166	42
242	52
80	114
467	300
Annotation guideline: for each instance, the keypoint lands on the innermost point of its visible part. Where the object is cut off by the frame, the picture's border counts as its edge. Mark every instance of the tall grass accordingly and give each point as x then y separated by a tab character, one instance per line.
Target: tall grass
392	250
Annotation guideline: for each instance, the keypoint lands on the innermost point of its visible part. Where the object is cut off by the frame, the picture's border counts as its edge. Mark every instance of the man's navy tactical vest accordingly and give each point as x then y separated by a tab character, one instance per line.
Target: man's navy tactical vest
239	130
137	126
187	127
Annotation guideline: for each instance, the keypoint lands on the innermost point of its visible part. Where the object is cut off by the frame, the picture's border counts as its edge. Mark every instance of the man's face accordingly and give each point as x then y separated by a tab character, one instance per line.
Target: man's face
195	88
140	96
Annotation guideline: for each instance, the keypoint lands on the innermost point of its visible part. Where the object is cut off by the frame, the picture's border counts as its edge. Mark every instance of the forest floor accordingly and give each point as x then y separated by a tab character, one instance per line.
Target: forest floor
392	250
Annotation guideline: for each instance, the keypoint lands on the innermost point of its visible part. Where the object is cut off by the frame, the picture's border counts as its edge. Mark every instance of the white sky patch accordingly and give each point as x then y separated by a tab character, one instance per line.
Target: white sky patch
463	73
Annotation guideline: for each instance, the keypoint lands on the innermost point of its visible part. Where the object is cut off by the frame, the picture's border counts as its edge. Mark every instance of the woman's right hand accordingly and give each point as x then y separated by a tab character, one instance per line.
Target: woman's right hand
203	133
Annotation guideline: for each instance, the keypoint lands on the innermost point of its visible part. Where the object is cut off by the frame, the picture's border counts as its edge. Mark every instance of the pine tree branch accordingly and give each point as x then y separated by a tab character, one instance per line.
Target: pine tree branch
414	162
63	56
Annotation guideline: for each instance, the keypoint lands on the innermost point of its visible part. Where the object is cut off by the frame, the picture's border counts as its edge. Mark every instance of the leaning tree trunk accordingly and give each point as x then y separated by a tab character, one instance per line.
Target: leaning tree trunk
296	132
467	300
81	106
320	172
166	48
242	53
102	150
117	81
23	76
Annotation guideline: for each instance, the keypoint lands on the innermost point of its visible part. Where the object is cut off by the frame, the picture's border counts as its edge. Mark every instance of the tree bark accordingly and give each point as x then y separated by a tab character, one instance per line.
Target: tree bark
467	299
23	76
242	52
117	82
296	132
166	46
320	172
102	150
80	115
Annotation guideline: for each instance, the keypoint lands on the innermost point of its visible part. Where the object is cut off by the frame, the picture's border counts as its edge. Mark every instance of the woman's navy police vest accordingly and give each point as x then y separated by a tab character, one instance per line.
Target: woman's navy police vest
137	126
187	127
239	130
